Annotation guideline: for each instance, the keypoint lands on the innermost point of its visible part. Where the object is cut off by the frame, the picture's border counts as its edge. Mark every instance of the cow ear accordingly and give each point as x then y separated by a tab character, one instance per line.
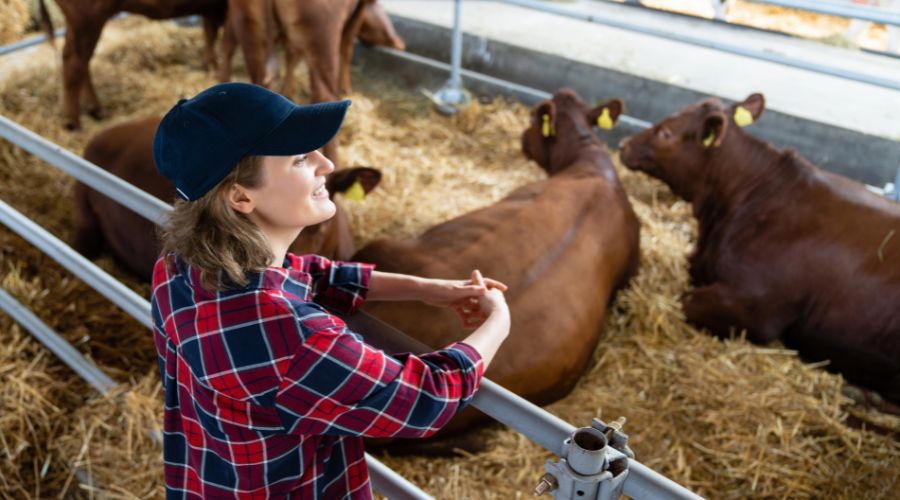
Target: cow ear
606	115
749	111
354	182
714	127
545	114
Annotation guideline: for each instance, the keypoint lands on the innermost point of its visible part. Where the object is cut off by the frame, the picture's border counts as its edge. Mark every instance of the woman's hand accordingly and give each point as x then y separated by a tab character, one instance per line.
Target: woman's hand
472	300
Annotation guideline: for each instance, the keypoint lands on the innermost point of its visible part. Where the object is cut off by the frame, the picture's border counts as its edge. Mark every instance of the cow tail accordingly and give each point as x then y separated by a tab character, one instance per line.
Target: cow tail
47	23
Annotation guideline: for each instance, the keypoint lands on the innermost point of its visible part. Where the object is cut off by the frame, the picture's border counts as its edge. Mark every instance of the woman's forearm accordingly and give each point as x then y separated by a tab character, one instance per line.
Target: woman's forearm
393	286
488	337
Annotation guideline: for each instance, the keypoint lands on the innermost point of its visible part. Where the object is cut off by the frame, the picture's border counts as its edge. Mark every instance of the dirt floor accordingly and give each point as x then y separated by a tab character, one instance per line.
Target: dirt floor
727	419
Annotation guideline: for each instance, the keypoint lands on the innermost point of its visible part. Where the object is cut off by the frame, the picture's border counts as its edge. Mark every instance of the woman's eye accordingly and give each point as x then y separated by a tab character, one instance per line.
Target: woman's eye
300	160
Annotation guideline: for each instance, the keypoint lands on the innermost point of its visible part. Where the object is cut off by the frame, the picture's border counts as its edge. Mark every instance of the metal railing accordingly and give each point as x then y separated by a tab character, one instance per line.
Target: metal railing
710	44
530	420
839	9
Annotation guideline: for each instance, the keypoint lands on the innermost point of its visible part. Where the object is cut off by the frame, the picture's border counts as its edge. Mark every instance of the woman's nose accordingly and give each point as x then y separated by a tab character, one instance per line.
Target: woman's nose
324	165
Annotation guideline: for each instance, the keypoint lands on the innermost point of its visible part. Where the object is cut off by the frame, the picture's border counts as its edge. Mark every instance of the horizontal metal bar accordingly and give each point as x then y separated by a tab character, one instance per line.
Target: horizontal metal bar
133	304
28	42
530	420
511	87
392	485
136	306
57	345
710	44
873	14
129	196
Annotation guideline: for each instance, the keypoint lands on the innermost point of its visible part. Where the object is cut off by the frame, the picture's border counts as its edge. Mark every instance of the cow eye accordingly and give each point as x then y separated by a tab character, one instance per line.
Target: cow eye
663	133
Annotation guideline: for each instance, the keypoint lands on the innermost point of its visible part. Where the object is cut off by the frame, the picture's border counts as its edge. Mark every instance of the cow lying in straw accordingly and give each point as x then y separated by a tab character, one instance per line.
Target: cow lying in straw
126	151
563	245
786	250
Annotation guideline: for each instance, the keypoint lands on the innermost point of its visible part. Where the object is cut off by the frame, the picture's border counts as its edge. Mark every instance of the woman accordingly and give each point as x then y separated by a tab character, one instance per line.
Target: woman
267	393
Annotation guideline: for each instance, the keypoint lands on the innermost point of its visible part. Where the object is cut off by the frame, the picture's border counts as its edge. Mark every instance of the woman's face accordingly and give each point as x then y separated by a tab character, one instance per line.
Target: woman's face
292	194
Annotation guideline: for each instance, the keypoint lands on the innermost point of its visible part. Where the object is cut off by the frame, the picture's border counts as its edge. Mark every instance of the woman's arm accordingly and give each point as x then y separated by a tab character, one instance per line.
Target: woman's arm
393	286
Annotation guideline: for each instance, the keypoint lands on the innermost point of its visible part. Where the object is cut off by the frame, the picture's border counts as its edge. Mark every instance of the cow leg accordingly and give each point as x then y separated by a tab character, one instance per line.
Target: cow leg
248	19
81	39
323	59
211	26
88	236
292	56
721	309
227	52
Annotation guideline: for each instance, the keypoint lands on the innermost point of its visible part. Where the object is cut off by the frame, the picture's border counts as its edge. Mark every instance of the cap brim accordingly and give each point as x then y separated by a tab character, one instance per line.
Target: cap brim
305	129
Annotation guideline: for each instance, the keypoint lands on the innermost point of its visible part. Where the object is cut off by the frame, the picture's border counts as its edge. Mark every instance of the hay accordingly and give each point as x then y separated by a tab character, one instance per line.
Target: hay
110	439
729	419
14	19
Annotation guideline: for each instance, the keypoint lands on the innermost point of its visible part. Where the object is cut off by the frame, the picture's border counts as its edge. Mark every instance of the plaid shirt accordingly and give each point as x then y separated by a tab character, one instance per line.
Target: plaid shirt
267	394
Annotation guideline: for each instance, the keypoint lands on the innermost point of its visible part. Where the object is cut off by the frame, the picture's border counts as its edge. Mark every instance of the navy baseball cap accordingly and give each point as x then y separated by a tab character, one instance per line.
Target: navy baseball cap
200	140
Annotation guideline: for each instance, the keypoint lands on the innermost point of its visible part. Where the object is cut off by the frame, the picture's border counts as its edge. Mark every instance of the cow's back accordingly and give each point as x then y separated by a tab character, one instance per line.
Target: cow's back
126	151
562	245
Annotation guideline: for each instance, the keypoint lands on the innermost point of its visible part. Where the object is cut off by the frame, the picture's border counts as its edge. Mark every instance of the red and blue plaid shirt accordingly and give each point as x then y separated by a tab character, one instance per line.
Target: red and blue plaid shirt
268	394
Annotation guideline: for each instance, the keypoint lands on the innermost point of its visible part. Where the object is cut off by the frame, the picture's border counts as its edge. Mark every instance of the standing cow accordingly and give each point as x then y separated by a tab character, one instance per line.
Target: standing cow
84	22
785	250
563	245
125	150
322	31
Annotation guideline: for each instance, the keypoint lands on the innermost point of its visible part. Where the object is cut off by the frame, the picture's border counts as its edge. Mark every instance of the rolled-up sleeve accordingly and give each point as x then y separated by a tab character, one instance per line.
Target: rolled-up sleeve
338	286
338	385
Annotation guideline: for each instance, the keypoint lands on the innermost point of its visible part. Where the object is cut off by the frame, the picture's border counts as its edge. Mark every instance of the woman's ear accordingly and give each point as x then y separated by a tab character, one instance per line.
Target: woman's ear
239	199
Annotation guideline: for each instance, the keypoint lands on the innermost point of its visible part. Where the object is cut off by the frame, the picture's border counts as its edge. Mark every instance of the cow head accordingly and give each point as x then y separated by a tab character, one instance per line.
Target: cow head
377	29
678	150
561	125
334	238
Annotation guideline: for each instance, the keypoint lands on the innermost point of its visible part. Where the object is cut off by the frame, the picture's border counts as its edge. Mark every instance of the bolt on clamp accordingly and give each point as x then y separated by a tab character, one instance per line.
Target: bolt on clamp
584	470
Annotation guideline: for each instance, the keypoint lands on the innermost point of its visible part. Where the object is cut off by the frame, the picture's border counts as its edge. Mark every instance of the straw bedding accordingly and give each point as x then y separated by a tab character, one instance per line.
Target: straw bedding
728	419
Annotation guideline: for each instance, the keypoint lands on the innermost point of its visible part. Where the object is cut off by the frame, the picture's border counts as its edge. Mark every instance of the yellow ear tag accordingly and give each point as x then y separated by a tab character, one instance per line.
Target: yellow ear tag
742	117
604	121
356	192
708	140
546	128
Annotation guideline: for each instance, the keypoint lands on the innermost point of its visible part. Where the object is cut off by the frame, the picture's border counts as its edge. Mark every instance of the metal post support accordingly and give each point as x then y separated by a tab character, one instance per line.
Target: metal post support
452	97
57	345
106	183
392	485
894	193
584	471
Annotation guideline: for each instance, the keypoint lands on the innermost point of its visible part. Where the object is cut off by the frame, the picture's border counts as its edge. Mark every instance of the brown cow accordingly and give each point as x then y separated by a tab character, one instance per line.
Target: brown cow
321	30
84	22
786	250
126	151
563	245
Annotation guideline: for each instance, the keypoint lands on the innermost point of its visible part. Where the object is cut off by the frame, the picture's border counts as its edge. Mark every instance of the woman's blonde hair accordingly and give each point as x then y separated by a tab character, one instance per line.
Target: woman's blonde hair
212	237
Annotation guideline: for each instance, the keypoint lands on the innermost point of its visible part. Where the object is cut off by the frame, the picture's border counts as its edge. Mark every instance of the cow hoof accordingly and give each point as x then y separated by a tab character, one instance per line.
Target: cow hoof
97	113
72	126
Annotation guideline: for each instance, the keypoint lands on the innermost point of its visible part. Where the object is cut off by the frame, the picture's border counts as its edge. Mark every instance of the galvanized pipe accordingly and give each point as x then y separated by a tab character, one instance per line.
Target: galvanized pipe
392	485
96	278
28	42
456	46
136	306
528	419
129	196
57	345
702	42
835	9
